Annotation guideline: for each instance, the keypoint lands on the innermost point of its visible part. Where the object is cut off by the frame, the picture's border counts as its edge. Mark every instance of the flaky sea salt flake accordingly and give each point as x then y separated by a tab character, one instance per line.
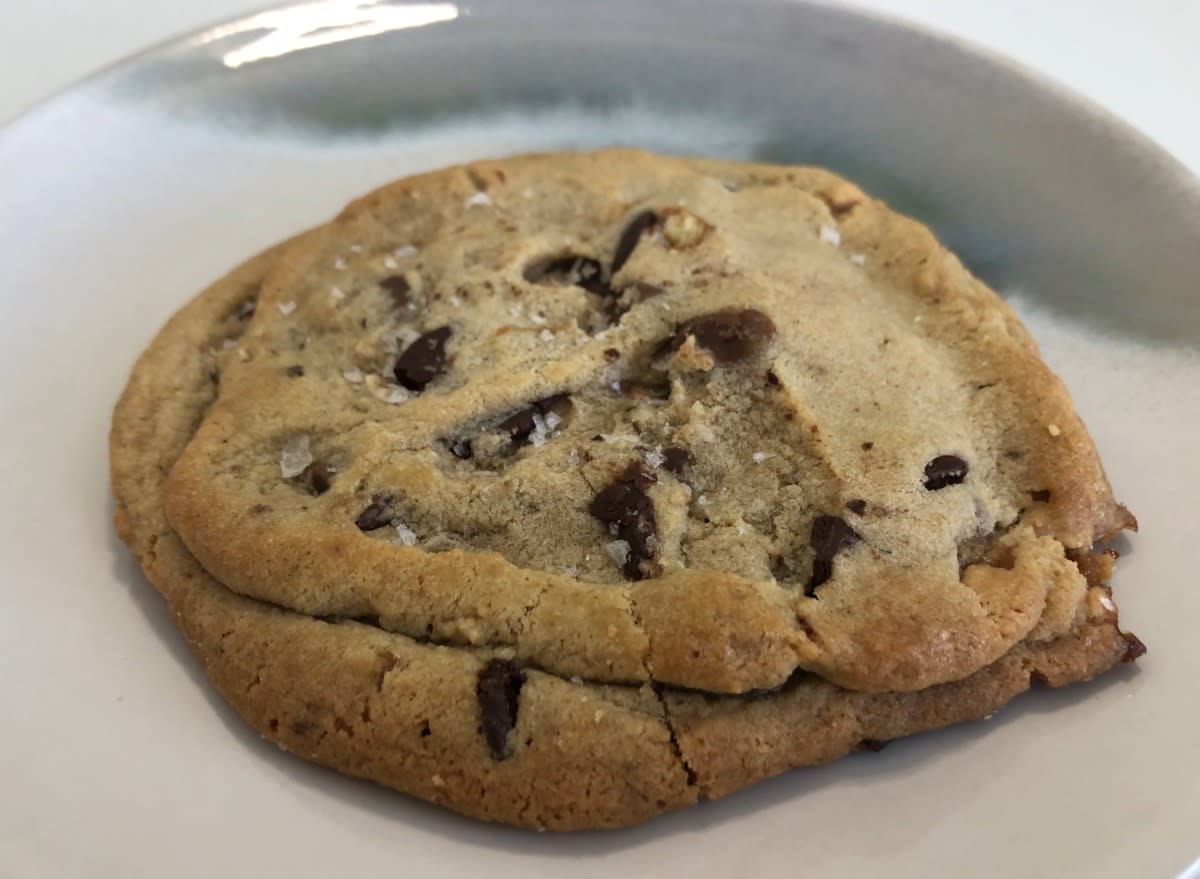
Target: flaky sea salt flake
405	536
404	251
858	259
286	308
618	551
831	235
295	457
354	375
478	198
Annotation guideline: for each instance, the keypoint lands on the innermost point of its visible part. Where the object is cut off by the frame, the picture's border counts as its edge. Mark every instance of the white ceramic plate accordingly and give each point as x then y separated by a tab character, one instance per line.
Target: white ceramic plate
121	197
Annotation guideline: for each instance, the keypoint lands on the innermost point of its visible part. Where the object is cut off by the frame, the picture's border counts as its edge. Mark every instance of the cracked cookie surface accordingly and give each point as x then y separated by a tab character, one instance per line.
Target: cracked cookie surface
474	729
633	418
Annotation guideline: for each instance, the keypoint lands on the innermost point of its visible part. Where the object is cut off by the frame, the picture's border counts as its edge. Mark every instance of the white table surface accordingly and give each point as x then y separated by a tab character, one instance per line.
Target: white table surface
1136	59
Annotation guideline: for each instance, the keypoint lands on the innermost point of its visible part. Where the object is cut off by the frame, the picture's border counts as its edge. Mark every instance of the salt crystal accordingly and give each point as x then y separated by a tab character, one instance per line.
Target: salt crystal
295	456
354	375
538	437
336	293
831	235
687	489
858	259
573	457
759	457
546	336
226	344
404	251
553	420
405	536
618	551
571	571
1108	603
339	263
537	319
286	308
576	679
702	501
1053	429
243	355
654	457
395	394
356	248
741	529
454	300
478	198
390	263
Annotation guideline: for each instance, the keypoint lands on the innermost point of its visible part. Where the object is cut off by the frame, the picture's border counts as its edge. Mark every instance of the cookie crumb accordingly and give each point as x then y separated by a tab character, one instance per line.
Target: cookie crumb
1053	429
831	235
286	308
295	457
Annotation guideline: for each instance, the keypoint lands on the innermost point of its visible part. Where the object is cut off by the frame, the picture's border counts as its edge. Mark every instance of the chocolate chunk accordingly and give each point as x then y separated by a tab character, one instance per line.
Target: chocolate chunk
612	354
246	310
498	691
520	424
1134	648
1041	495
773	379
423	360
866	447
732	334
857	505
461	448
377	514
627	509
829	536
630	235
581	271
675	459
295	371
320	477
398	287
945	470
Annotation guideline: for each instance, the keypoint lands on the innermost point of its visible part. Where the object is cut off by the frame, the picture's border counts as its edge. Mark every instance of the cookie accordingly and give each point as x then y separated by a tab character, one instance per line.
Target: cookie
472	491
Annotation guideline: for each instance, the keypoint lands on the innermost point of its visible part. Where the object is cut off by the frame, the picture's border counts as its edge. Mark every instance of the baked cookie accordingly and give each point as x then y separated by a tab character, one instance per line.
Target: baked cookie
461	491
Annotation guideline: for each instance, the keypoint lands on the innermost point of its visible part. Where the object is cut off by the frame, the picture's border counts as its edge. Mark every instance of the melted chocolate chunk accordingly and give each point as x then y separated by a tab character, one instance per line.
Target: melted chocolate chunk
398	287
630	235
675	459
423	360
295	371
829	536
626	508
498	691
945	470
377	514
857	505
731	335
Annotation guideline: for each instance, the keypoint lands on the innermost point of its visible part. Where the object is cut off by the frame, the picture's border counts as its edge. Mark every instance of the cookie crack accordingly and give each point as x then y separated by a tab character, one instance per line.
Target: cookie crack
676	749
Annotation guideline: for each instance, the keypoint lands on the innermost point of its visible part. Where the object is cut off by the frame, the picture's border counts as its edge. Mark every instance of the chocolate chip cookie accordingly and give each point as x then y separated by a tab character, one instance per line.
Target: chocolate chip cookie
565	490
